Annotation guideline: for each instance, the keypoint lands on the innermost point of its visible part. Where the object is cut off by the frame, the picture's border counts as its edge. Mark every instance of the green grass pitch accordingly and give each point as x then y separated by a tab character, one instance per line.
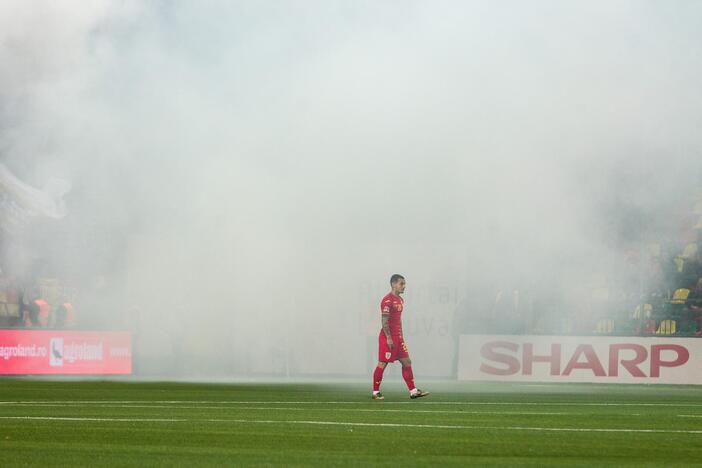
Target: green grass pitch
74	423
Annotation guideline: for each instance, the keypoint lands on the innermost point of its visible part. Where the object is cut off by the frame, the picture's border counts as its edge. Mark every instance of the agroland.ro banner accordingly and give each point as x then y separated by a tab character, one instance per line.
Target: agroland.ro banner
580	359
65	352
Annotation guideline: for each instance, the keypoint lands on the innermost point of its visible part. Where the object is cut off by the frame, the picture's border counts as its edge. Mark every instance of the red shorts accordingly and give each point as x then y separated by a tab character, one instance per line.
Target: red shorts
399	349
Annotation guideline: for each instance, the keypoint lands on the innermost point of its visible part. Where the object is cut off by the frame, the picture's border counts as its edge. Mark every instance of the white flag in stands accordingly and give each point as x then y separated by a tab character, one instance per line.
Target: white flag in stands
19	202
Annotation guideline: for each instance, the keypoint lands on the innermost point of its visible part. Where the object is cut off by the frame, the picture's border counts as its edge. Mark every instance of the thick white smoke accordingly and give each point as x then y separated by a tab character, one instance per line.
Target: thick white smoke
248	175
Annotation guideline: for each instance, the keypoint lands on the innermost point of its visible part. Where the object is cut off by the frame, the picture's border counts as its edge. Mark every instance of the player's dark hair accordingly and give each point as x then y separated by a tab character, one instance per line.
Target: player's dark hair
395	278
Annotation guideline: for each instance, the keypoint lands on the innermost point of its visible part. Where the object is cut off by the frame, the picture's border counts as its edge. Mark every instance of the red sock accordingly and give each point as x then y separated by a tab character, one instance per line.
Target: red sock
377	377
408	376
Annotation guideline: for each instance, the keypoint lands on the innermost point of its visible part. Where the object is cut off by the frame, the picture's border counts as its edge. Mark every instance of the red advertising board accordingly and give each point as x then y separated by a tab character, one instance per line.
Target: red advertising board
65	352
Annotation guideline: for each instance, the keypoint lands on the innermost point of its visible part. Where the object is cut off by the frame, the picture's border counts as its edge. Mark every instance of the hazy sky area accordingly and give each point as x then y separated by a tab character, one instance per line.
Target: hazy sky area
247	175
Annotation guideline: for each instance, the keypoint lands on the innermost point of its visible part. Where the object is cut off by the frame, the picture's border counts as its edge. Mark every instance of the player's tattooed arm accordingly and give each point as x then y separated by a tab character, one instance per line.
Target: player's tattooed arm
386	329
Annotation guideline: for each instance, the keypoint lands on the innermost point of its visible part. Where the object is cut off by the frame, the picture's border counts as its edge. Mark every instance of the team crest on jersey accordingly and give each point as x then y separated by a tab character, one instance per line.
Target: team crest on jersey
387	355
399	307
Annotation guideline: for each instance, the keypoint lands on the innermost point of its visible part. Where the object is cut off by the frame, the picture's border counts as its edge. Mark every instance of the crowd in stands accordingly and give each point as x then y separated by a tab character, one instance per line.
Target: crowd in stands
658	291
668	297
35	304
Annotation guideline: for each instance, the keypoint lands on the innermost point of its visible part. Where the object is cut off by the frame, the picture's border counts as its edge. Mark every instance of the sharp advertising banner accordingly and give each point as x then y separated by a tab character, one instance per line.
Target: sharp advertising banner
65	352
599	359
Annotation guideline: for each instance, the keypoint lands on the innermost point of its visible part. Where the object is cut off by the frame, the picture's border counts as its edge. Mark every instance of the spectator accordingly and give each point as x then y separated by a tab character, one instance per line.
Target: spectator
64	316
694	306
36	311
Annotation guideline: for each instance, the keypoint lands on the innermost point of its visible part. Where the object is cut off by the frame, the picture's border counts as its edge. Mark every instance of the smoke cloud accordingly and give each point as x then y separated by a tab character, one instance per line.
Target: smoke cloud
247	175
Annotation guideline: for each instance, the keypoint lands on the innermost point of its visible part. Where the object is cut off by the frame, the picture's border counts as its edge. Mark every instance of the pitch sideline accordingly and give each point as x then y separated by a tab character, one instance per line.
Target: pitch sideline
424	402
360	424
278	408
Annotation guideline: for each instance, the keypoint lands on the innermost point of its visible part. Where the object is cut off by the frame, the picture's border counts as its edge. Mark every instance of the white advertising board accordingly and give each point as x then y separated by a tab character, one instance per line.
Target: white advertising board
611	359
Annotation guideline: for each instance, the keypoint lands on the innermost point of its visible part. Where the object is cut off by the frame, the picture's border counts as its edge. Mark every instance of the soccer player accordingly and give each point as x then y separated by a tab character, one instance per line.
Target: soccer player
391	344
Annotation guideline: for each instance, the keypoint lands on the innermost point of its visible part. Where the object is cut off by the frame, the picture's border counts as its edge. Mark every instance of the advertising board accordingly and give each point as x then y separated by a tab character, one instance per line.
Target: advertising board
599	359
65	352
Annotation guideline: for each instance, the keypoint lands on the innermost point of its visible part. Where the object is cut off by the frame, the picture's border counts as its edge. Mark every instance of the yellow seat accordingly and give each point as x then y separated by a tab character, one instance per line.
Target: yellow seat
4	311
648	310
12	310
605	326
680	296
679	264
667	327
689	251
654	250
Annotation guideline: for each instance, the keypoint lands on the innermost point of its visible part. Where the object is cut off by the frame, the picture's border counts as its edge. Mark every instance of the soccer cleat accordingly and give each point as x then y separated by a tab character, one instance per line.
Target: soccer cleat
377	396
418	394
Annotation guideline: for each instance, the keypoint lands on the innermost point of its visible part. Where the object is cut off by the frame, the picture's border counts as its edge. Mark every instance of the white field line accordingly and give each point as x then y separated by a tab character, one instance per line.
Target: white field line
441	426
359	424
80	418
527	385
278	408
423	402
690	415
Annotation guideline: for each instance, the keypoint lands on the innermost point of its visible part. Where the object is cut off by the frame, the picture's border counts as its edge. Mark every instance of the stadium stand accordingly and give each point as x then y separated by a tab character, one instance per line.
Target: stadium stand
38	303
658	292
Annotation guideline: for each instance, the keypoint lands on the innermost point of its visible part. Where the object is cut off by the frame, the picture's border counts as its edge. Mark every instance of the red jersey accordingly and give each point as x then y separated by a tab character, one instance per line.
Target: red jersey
393	305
